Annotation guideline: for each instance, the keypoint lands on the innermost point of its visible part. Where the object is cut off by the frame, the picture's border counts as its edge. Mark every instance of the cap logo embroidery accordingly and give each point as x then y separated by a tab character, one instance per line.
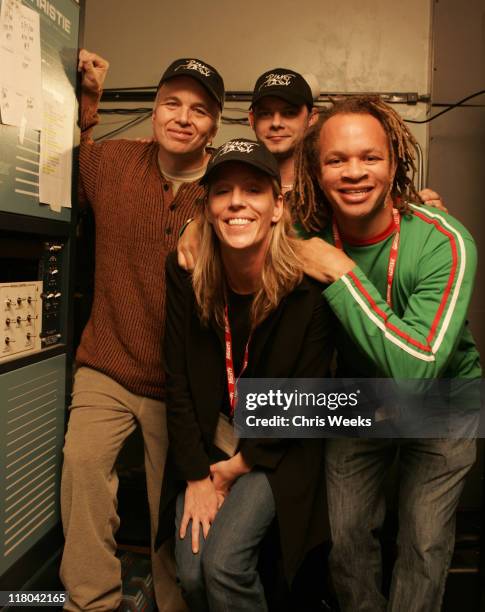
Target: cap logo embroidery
237	145
276	78
195	65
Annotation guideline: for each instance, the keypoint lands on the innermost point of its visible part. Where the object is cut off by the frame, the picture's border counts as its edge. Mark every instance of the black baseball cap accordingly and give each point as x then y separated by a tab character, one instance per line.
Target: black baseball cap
246	151
283	83
200	71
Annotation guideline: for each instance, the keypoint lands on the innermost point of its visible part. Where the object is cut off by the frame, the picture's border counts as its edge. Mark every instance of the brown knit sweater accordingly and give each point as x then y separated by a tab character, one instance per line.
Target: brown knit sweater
137	224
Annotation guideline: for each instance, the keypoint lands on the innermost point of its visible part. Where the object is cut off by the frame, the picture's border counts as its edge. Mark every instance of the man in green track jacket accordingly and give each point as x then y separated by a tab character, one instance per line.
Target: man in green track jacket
400	278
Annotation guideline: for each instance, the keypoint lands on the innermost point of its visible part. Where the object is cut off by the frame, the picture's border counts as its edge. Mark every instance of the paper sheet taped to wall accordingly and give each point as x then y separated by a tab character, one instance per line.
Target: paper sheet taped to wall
56	150
22	177
20	61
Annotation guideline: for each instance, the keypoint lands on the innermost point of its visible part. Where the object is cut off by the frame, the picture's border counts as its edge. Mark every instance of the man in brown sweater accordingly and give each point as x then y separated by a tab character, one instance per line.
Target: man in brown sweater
141	194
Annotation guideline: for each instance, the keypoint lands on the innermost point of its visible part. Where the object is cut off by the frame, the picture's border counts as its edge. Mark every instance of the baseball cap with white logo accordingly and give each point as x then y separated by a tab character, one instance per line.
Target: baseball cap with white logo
283	83
204	73
246	151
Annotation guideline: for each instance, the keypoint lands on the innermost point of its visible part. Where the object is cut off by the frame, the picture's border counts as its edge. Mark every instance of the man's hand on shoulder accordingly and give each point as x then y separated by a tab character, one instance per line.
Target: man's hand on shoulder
94	69
433	199
322	261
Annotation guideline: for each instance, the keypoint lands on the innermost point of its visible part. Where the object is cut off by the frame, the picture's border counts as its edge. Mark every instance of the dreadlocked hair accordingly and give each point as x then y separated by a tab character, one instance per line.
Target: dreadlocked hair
309	205
282	270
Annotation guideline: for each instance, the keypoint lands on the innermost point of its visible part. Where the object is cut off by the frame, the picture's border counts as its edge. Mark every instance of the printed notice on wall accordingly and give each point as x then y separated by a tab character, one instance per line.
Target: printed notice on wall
56	143
20	59
38	106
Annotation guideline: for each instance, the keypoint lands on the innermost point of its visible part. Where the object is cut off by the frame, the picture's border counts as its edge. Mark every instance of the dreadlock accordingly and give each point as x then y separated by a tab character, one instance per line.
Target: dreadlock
308	202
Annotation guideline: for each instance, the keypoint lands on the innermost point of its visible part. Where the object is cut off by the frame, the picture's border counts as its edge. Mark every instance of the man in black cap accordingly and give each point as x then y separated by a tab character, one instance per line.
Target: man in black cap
281	111
141	194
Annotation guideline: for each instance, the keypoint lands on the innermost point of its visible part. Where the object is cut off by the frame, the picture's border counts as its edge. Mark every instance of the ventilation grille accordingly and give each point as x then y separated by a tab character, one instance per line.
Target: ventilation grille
32	434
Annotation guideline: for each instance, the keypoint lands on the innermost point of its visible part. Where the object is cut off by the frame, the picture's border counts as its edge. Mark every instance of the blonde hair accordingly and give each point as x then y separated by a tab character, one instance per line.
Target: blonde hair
309	204
282	270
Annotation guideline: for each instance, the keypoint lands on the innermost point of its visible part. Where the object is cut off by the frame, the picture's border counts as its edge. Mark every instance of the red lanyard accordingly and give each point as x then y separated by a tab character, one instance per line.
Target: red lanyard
231	380
391	268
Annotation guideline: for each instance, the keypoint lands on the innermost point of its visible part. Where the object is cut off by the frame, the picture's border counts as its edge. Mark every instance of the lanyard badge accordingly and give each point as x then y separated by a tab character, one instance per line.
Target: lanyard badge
391	267
231	379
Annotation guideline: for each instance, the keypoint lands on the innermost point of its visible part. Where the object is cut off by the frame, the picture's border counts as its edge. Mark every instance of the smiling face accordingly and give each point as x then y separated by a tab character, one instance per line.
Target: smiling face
279	124
356	172
242	207
184	118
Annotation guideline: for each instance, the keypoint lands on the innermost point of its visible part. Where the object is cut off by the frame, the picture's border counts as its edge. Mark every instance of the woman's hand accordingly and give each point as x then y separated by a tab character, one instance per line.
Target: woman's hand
201	506
225	473
188	246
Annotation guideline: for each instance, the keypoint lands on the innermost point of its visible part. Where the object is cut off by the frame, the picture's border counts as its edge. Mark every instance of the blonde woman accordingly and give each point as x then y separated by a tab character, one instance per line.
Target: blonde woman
247	309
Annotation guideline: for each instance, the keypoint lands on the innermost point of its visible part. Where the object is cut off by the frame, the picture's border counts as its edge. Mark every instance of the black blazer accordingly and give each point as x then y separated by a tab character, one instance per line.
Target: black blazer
294	341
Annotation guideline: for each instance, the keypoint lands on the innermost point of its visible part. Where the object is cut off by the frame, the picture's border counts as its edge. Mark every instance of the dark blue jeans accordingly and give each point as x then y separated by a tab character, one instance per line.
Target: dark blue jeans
223	576
431	479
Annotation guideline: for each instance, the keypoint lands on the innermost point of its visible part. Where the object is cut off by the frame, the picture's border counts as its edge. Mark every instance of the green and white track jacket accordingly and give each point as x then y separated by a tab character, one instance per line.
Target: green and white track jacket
425	334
